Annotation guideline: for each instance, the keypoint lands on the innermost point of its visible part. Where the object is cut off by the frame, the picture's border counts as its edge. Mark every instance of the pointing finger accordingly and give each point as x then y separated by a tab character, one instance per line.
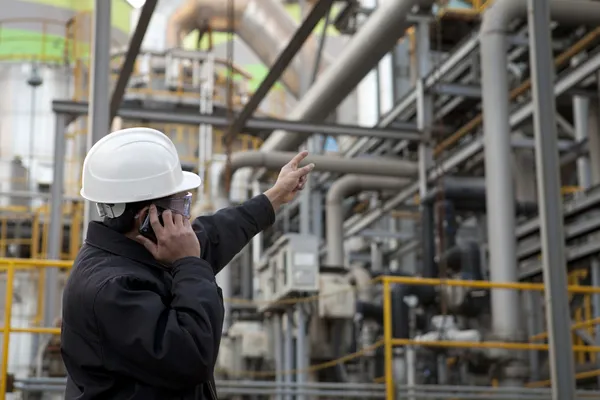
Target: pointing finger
302	172
298	159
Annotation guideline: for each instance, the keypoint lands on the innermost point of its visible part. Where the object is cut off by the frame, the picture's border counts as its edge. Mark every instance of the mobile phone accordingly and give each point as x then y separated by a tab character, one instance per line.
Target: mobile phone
146	227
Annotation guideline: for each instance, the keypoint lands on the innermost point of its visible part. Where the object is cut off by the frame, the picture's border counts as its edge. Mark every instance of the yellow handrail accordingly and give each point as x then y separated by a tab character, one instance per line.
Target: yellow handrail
10	266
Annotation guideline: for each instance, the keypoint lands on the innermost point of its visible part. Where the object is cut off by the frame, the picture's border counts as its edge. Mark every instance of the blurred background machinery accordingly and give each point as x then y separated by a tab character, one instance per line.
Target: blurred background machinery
416	262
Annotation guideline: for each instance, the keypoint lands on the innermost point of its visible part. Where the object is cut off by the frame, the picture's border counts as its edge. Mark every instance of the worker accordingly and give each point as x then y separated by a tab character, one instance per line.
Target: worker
142	313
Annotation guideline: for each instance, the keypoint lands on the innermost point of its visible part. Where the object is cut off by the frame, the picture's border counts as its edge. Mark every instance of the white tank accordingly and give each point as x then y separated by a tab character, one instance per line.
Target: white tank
26	119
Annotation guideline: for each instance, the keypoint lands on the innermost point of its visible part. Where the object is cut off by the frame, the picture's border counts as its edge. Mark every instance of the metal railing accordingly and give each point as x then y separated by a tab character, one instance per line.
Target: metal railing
9	268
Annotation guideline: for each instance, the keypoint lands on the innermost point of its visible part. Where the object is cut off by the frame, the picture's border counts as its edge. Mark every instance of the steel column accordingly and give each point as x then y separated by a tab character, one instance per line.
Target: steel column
550	203
99	120
56	222
132	52
288	351
278	343
404	131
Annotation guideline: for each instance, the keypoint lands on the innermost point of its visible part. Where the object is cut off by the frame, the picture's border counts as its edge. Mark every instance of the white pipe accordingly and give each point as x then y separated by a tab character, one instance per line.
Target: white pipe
376	166
364	51
264	25
338	192
499	180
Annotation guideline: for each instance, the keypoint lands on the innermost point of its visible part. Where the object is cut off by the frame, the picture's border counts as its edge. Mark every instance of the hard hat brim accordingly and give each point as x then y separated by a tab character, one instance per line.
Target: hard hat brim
189	182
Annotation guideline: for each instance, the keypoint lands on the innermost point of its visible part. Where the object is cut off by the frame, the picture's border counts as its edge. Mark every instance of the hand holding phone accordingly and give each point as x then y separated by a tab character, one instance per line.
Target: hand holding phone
146	227
175	238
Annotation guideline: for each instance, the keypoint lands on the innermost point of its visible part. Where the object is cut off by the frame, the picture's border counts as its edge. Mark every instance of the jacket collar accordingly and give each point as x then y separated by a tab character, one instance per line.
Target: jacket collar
102	237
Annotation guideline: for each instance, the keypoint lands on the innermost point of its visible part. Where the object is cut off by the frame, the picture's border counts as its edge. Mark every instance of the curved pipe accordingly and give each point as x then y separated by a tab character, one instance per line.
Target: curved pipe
375	38
264	25
498	163
379	166
338	192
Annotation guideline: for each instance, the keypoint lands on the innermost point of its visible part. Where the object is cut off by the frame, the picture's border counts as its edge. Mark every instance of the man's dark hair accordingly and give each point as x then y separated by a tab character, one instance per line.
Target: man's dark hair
125	222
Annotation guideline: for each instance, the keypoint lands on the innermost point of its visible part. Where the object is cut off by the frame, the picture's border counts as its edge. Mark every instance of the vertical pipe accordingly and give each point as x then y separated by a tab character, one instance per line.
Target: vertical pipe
532	309
424	121
288	352
306	227
390	392
581	107
278	333
551	214
411	378
56	224
8	302
99	101
499	185
301	359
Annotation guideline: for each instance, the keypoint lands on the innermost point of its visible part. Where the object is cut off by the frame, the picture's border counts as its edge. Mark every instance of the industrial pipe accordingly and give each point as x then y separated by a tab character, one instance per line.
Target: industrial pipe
400	310
374	40
499	179
464	258
338	192
379	166
264	25
466	194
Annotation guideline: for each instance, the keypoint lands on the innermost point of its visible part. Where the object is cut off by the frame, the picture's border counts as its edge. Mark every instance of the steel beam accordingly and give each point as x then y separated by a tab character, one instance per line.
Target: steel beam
191	118
279	66
133	50
457	89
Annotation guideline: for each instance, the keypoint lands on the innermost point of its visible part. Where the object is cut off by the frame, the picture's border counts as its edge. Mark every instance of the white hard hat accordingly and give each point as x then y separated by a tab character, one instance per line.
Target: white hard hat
132	165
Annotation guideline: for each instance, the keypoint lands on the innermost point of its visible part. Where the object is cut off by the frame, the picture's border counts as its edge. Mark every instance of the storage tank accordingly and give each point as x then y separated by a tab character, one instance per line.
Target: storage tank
40	41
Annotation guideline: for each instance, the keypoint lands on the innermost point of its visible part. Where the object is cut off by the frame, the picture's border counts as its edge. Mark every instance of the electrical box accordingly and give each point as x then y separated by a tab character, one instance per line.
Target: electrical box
290	268
249	338
337	297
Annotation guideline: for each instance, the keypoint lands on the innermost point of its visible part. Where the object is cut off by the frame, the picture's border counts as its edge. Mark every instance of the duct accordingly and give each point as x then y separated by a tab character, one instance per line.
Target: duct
379	166
338	192
264	25
364	51
500	191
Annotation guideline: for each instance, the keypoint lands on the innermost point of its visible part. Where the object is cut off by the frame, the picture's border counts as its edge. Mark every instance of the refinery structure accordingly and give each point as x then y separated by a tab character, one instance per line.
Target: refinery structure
447	243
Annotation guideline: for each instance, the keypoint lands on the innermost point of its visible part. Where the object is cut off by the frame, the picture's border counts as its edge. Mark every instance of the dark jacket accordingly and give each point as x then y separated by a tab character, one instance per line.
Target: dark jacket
135	330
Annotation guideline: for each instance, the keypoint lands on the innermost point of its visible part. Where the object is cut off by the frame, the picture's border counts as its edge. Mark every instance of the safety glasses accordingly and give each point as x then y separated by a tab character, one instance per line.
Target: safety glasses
180	204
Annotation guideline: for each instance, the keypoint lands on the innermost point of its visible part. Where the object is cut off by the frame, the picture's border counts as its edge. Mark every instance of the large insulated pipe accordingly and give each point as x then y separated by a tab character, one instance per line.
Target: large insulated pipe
364	51
338	192
499	180
264	25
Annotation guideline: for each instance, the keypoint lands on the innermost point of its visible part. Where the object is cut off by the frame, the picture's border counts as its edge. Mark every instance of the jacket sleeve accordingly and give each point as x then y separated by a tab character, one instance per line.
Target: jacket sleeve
170	346
225	233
